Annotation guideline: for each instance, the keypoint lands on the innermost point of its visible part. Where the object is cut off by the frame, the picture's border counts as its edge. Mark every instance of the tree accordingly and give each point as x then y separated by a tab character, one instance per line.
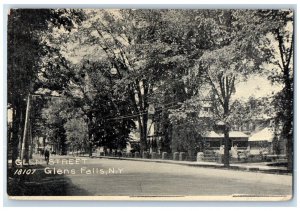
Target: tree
284	37
189	126
183	42
90	87
253	114
274	30
130	40
25	48
76	133
227	63
56	115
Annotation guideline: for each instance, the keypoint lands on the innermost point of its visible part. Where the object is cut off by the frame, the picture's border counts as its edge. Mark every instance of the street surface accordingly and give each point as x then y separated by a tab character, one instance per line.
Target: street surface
96	177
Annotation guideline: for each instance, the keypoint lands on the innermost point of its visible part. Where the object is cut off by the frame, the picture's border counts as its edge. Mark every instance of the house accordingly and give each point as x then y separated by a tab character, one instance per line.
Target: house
261	140
215	140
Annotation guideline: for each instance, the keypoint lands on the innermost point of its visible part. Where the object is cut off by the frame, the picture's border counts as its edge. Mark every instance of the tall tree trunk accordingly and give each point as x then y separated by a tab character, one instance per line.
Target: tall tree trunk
145	131
38	145
90	135
90	148
288	123
287	132
143	134
289	148
166	129
141	109
63	144
226	135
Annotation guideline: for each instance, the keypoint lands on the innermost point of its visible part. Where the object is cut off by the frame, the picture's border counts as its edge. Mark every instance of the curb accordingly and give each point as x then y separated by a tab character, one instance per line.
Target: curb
204	165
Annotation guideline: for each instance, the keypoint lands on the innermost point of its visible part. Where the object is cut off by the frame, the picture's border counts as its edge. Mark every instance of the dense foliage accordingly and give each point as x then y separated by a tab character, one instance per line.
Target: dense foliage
109	73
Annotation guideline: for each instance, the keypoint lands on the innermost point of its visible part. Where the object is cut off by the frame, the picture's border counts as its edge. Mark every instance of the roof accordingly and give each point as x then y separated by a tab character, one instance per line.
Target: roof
232	134
265	134
237	134
212	134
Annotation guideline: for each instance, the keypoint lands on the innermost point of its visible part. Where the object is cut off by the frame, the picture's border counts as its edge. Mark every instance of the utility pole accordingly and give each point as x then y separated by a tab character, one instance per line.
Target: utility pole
23	153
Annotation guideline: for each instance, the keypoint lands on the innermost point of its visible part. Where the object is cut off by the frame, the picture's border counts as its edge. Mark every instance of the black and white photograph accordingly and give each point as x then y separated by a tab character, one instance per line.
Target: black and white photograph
150	104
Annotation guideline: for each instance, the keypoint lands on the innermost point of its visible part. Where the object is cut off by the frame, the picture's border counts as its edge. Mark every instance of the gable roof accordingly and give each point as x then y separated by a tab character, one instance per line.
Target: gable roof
237	134
232	134
265	134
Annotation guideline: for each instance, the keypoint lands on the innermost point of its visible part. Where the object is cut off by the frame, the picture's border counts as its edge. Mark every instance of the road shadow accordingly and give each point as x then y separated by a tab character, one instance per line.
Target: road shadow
40	184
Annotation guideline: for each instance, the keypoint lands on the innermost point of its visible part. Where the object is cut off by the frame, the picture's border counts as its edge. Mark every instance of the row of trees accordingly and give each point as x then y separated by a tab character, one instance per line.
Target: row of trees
110	66
26	48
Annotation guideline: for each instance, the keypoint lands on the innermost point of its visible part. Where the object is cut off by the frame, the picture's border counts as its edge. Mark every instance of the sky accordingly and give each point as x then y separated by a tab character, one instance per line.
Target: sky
256	86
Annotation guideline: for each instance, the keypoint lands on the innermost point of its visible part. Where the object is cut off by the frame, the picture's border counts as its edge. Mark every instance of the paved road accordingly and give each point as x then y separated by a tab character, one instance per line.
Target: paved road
122	177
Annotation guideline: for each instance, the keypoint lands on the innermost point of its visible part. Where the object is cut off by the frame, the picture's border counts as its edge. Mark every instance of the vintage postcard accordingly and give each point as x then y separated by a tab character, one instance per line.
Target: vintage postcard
150	104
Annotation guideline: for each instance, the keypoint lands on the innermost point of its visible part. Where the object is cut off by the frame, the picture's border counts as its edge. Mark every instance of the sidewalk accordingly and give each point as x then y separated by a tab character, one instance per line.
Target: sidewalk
253	167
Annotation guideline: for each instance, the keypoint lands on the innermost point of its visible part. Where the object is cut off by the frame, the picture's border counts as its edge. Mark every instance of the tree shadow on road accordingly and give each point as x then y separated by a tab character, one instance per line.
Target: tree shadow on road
41	184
